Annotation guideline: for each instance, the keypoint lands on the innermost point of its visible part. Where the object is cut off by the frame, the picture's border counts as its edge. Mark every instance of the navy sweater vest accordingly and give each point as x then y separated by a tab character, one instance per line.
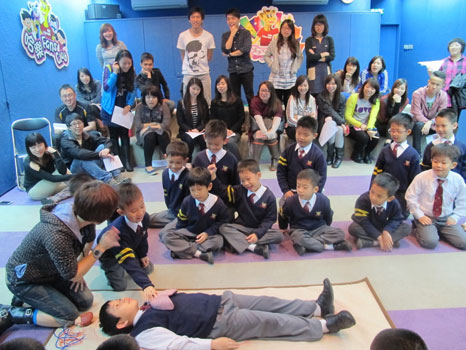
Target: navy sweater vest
194	316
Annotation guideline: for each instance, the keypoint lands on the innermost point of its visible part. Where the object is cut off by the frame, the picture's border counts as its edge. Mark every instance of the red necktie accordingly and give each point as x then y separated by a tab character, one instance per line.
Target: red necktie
139	229
379	210
144	307
172	178
213	159
301	153
251	197
395	149
201	208
306	208
438	199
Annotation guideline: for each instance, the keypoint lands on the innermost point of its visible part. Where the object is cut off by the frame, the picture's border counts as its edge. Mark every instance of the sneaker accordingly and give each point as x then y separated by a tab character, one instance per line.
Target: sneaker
207	257
343	245
262	249
364	243
121	179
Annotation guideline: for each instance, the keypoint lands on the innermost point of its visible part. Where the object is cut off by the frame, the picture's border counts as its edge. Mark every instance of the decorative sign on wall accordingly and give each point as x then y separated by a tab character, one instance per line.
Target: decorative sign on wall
42	35
264	26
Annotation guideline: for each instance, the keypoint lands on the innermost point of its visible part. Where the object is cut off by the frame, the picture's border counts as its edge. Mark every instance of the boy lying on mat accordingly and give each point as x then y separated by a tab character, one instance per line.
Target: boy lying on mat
203	321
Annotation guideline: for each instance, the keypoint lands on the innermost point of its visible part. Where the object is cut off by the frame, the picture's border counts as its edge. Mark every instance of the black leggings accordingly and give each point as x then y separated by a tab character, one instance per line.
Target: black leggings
151	140
118	132
363	144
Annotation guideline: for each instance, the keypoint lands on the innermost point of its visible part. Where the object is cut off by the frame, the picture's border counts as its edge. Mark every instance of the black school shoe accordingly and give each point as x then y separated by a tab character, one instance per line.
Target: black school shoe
341	320
262	249
299	249
325	299
343	245
207	257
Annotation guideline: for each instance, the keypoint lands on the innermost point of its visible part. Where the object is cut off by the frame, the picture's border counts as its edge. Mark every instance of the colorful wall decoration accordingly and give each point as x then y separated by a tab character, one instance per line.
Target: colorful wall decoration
42	34
264	26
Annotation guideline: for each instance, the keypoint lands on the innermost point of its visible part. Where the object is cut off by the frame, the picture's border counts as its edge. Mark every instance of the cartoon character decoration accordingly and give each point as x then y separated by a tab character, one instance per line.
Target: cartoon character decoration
264	26
195	53
42	34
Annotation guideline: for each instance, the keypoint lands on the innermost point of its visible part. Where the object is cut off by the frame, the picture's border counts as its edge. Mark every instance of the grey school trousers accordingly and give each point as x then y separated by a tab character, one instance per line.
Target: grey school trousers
358	231
235	235
314	240
428	236
244	317
158	220
182	242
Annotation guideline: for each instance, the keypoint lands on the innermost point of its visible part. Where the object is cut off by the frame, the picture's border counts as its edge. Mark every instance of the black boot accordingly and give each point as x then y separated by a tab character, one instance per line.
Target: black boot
330	153
357	157
124	154
339	154
367	158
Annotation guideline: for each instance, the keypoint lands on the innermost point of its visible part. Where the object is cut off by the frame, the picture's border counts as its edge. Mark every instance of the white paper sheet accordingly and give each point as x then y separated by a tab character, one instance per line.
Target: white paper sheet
112	164
125	120
431	65
193	135
328	130
58	128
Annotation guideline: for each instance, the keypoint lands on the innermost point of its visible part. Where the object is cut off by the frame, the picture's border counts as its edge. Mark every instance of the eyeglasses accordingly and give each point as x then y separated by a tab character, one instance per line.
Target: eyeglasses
76	123
396	131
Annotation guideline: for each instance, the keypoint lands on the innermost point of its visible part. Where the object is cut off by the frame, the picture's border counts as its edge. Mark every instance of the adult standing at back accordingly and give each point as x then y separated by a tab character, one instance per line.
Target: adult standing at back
320	51
284	57
454	64
236	45
196	46
109	45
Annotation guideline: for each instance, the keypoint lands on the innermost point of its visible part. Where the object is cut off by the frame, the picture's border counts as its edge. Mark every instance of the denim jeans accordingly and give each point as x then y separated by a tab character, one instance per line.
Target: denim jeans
55	299
94	167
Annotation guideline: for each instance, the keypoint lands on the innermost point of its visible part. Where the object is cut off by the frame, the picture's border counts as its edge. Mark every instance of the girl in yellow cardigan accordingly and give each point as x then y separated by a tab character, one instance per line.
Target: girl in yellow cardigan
361	113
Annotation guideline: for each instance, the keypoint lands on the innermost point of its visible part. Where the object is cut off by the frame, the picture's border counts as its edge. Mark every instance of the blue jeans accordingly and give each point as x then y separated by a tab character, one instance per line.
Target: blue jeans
55	299
94	167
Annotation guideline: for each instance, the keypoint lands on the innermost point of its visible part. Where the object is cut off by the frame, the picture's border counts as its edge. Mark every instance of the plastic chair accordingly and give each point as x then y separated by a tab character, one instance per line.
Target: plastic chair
19	130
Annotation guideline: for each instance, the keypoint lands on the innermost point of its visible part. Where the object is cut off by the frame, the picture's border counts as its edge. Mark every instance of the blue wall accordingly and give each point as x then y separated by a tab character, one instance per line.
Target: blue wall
159	35
28	89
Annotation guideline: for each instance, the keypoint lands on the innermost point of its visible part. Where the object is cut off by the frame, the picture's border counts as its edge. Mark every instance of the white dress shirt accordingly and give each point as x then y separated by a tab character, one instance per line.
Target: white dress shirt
219	155
208	203
401	147
258	194
420	195
306	149
177	174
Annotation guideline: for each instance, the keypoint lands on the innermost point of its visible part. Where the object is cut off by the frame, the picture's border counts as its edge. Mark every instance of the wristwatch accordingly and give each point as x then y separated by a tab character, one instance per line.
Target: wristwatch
96	253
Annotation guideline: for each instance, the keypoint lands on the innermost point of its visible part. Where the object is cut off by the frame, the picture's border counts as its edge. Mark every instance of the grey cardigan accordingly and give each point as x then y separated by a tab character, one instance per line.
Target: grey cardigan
271	57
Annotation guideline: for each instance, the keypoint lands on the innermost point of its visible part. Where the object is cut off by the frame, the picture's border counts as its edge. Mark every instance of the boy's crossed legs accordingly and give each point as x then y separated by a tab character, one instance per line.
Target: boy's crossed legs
428	236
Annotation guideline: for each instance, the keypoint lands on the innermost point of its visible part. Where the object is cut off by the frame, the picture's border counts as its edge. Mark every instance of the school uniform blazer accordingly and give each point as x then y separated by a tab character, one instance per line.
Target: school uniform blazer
460	168
226	167
174	193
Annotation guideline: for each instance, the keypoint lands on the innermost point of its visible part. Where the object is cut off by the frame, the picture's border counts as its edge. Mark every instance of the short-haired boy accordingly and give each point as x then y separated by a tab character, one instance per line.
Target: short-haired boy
299	156
257	211
446	122
310	216
195	323
131	256
150	75
377	218
226	163
399	158
201	214
174	183
437	200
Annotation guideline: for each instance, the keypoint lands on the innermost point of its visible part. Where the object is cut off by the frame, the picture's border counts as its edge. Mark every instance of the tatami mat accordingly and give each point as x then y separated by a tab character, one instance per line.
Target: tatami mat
358	297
